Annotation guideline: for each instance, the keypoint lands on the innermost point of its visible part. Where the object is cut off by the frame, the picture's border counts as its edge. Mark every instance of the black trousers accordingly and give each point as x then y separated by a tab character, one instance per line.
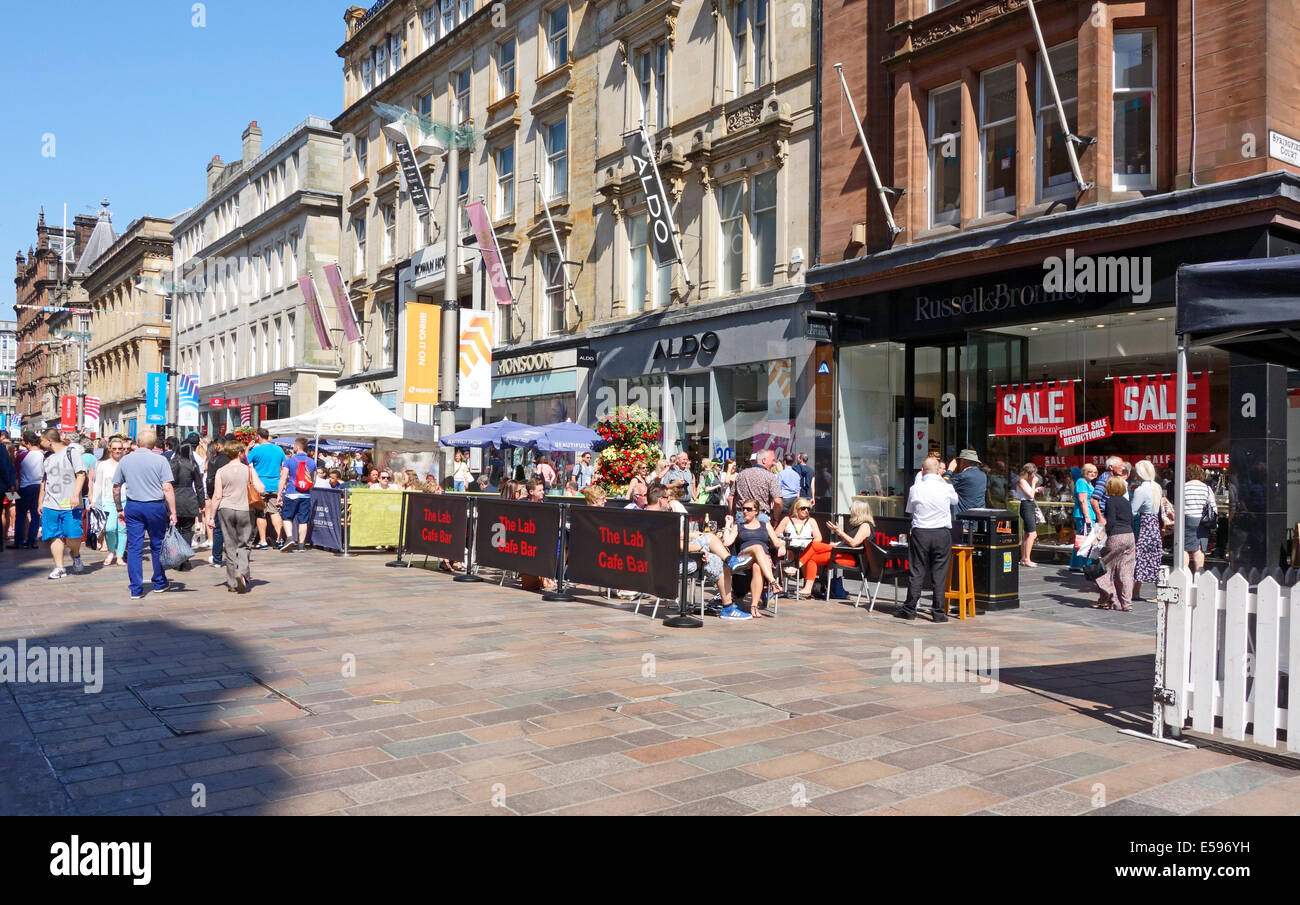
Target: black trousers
928	552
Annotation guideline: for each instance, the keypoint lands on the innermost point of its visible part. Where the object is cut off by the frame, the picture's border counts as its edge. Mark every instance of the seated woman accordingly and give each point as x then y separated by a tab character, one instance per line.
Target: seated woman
800	531
818	553
752	539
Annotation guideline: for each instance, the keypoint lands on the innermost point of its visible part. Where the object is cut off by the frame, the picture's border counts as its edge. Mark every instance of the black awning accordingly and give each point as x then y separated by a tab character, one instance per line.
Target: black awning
1250	306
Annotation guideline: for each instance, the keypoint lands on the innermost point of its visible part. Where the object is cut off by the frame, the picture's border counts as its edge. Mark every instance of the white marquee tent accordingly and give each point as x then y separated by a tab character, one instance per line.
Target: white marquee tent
354	414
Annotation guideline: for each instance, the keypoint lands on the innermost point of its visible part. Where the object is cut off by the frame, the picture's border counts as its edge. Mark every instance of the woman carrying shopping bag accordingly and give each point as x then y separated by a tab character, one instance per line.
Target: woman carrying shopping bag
1117	556
236	482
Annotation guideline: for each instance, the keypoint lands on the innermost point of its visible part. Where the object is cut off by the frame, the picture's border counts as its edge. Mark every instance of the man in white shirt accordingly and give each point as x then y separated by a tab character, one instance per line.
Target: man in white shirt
929	540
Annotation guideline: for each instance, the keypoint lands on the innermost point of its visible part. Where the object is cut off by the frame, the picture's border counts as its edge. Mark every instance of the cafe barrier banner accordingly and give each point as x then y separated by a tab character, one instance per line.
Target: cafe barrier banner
375	518
1035	409
326	526
436	525
518	537
629	550
1148	403
420	384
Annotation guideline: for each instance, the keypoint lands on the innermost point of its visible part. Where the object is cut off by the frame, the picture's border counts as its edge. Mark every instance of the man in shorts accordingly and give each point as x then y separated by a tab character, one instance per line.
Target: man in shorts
297	500
64	479
267	459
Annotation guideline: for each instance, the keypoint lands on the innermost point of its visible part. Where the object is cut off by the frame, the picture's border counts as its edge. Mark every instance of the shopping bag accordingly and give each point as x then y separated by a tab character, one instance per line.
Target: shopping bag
1088	546
175	552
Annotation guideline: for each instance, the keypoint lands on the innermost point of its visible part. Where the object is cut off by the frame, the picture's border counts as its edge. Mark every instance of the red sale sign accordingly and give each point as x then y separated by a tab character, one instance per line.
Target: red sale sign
1084	433
1035	409
1148	403
68	413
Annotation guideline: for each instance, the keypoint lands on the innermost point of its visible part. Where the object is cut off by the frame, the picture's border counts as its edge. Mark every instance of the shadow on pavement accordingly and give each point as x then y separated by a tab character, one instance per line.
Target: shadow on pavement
71	749
1116	691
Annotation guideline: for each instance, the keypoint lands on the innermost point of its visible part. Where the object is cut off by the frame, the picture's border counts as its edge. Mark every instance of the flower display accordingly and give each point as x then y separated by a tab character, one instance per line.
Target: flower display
633	435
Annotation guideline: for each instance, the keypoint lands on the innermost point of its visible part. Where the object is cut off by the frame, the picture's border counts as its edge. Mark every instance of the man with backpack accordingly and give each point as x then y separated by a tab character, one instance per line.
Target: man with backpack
297	477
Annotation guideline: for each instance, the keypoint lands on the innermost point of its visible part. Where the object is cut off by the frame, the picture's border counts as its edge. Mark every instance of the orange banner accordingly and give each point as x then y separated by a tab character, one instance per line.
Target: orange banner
420	384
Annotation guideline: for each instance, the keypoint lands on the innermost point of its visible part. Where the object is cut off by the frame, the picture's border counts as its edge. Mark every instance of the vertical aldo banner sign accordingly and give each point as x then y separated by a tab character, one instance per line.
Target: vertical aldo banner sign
420	383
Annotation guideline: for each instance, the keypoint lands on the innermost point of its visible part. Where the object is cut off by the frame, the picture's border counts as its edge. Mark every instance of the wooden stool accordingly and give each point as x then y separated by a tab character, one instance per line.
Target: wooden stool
961	582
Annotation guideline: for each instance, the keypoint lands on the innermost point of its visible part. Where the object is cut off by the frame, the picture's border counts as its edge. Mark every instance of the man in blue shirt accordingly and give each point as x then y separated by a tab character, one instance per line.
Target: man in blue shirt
267	459
790	481
297	475
583	472
151	504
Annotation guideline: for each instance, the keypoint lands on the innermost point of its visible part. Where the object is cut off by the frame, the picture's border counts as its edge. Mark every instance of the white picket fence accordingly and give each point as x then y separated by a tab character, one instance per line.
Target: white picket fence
1229	647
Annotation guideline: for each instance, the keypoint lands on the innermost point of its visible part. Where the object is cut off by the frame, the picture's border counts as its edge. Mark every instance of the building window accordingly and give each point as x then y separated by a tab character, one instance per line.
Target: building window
749	35
448	16
359	260
381	61
506	68
266	271
998	138
557	159
553	274
290	322
426	104
945	156
429	23
645	279
760	42
363	157
1134	99
764	228
277	347
740	47
277	264
390	232
466	9
366	80
731	201
395	51
557	35
651	69
292	261
266	347
460	113
385	311
1055	178
505	194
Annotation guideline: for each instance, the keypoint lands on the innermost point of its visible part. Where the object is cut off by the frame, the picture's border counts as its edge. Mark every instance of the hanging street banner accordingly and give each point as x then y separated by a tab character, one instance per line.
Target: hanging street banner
1035	409
778	390
1148	403
414	178
663	237
68	413
490	251
91	414
187	395
474	381
420	384
307	284
347	317
155	398
325	530
1084	433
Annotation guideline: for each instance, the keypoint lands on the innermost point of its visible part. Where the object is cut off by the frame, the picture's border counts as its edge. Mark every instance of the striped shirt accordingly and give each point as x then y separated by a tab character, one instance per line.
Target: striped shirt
1195	496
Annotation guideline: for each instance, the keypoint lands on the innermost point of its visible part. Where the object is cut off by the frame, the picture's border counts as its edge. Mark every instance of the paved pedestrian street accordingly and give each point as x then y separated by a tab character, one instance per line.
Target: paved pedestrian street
399	691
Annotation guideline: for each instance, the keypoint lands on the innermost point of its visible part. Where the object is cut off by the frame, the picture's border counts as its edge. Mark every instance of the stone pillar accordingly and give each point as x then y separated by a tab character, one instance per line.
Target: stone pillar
1257	447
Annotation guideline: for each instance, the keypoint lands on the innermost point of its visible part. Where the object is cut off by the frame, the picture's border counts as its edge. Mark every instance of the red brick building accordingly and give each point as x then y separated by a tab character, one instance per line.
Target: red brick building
1011	270
36	280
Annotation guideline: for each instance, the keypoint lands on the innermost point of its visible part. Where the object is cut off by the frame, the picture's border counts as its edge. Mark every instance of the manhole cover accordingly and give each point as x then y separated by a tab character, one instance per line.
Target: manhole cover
201	704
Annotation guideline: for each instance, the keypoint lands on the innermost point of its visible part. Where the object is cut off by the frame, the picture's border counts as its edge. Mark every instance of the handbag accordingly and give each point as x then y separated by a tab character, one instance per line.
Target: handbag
255	501
1167	514
1093	569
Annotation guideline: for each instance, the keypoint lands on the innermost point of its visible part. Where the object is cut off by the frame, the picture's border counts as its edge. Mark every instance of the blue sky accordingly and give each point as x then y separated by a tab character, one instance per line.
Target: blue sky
139	99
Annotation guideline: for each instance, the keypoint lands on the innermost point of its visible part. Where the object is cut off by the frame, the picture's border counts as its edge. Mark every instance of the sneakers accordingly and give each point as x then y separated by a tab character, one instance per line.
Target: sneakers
288	547
137	596
937	616
77	567
738	562
57	574
732	612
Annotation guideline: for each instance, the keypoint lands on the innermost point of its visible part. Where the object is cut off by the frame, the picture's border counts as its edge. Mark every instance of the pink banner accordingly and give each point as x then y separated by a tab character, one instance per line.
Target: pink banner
487	246
347	317
308	287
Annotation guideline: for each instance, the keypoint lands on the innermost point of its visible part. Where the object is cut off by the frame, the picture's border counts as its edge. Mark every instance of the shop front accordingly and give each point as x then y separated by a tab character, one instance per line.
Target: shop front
724	387
1025	369
539	387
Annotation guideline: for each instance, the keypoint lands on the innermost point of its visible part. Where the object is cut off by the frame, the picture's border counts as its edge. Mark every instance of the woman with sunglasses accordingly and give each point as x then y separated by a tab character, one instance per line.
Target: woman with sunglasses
800	531
818	554
752	539
102	487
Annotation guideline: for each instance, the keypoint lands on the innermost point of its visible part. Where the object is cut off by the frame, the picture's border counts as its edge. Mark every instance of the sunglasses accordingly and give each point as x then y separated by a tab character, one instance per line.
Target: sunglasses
384	477
748	509
804	508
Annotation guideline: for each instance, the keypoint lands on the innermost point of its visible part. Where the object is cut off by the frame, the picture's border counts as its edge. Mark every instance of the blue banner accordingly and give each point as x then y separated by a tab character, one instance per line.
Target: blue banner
326	527
155	399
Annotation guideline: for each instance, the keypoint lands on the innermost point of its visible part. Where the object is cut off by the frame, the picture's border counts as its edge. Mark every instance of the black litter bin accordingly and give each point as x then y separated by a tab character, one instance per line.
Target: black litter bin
992	532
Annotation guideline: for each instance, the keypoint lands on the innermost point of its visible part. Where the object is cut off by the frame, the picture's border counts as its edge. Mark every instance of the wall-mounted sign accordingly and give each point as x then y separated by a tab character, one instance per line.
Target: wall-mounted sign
822	330
1084	433
525	364
280	388
1282	148
216	402
687	346
1148	403
1035	409
414	178
586	358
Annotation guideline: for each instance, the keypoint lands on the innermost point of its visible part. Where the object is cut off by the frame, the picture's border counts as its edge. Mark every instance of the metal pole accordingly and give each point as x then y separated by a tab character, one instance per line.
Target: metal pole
684	619
559	250
1180	445
450	309
1070	137
894	228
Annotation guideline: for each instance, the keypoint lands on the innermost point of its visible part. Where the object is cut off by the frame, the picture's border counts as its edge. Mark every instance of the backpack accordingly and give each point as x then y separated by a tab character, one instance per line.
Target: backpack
301	477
